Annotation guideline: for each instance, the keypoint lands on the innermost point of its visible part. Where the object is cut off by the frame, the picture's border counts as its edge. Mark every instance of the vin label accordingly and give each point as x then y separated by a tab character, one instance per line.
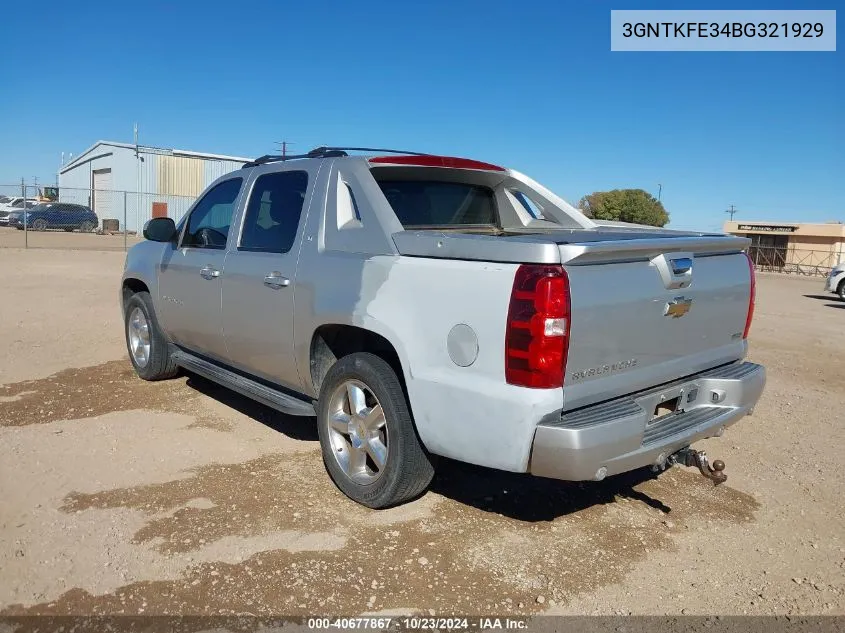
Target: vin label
703	31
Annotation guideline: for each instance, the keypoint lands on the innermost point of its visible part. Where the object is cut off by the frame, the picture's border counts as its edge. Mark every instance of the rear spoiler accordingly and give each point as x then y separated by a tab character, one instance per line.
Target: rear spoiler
546	249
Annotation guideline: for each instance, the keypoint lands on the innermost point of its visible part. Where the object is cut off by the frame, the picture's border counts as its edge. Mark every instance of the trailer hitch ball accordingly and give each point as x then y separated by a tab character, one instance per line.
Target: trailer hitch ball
698	459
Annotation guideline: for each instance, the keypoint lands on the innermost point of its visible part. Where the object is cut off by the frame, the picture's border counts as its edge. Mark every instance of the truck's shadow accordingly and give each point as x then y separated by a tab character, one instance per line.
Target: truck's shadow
519	496
528	498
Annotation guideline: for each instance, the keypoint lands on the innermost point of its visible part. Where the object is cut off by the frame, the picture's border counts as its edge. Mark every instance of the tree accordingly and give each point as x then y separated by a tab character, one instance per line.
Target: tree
624	205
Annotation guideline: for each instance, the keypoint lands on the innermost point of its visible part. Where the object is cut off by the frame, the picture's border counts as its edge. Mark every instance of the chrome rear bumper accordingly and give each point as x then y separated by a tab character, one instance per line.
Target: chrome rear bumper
617	436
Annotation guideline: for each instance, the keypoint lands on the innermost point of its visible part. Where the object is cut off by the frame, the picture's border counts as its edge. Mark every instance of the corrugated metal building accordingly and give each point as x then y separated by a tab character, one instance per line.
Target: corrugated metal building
101	174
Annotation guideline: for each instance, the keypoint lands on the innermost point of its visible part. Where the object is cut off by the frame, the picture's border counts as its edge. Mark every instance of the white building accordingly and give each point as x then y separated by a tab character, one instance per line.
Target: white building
120	180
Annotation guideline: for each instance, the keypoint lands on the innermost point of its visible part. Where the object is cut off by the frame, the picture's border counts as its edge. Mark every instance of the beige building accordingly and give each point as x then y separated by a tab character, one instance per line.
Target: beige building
793	246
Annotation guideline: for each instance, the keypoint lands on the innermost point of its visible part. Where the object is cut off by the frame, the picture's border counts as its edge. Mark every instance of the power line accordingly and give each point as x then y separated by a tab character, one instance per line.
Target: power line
732	211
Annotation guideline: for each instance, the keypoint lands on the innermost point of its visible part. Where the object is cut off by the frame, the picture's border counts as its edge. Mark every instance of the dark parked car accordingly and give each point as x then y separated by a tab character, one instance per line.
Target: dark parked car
56	215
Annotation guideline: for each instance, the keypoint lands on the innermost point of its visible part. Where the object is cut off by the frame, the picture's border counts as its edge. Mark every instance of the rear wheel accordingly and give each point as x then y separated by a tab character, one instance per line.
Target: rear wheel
148	347
369	443
86	227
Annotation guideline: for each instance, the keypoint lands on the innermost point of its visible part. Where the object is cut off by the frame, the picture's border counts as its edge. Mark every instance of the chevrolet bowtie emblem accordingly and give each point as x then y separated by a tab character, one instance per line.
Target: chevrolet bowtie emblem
677	307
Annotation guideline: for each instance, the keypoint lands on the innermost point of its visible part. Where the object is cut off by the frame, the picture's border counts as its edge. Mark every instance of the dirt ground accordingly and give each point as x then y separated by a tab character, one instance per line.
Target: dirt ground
120	496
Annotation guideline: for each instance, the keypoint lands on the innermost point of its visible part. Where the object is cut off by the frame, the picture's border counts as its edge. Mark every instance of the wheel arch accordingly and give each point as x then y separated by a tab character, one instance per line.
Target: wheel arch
131	286
332	341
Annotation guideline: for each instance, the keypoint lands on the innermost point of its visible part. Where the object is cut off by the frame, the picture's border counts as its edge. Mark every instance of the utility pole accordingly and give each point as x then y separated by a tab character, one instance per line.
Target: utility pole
284	146
659	191
732	211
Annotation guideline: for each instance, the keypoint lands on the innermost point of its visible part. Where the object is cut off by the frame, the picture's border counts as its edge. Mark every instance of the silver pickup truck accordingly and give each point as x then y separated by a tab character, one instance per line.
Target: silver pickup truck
423	305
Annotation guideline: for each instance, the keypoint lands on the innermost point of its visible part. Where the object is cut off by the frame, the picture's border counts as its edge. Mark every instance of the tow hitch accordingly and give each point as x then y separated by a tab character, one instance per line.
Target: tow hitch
690	457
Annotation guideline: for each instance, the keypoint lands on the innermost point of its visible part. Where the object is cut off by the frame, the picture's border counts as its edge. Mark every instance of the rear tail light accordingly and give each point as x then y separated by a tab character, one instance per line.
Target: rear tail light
752	298
537	334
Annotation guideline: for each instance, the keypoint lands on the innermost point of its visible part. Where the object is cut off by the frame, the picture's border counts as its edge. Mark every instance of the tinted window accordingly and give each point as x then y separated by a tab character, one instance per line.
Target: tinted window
528	204
420	203
208	226
273	213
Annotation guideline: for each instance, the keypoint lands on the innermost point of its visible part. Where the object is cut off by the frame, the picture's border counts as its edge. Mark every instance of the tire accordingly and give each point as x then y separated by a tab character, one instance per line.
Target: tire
407	469
86	227
840	290
156	362
39	225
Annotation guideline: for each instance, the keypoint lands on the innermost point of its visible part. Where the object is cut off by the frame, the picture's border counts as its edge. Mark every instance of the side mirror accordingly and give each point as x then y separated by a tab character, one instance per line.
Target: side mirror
160	230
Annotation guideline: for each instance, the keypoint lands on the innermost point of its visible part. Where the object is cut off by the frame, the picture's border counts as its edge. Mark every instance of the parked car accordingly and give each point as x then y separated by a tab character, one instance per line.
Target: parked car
9	204
420	305
56	215
836	281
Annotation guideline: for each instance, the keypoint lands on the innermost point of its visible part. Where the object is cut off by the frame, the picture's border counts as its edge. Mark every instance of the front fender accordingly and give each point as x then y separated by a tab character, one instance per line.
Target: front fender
142	264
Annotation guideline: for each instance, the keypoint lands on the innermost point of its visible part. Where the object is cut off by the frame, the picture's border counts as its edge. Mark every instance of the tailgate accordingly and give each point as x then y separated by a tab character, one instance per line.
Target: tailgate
645	321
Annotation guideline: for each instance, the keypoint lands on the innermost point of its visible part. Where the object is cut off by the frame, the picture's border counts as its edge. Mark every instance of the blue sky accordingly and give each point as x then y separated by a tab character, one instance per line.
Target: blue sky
531	85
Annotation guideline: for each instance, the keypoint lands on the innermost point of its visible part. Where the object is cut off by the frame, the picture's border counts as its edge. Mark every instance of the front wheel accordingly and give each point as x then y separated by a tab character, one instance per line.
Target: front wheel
369	443
841	290
146	343
39	225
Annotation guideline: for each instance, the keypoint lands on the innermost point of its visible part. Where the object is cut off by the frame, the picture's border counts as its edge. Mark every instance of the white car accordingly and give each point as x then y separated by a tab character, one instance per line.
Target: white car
13	203
836	281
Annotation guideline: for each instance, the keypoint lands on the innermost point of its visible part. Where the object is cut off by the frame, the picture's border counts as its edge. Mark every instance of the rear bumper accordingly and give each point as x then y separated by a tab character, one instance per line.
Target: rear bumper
618	435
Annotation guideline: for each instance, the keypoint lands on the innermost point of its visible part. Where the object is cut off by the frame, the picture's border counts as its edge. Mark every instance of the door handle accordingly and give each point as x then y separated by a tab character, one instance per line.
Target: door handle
275	280
207	272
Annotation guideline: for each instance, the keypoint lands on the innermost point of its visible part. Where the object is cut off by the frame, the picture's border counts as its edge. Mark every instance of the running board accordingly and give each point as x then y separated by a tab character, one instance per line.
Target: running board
273	398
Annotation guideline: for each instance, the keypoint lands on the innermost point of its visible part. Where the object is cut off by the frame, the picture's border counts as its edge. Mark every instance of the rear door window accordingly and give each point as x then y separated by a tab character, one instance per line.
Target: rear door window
273	213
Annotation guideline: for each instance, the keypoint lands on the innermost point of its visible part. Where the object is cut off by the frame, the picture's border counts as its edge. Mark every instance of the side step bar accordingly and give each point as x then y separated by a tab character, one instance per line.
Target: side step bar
255	390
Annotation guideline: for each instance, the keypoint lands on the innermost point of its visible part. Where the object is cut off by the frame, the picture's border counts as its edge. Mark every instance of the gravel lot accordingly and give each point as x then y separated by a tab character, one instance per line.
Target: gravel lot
120	496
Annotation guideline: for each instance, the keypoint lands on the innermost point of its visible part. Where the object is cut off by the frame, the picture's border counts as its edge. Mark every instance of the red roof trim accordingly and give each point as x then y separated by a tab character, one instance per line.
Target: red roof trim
436	161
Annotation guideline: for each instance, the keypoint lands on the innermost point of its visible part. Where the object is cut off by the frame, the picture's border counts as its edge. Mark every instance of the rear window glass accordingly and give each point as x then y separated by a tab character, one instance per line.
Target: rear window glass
423	203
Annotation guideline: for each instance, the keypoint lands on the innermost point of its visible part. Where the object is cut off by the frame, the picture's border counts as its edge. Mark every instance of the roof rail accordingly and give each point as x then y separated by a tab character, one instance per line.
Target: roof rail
325	152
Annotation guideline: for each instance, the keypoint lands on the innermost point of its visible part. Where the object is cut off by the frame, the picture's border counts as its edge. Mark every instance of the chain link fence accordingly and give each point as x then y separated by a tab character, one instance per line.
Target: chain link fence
796	261
97	219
